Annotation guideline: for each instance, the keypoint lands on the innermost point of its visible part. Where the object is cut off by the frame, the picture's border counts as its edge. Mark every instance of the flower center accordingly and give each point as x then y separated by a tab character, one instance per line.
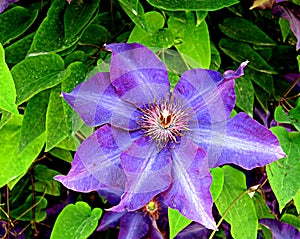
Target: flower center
164	122
152	209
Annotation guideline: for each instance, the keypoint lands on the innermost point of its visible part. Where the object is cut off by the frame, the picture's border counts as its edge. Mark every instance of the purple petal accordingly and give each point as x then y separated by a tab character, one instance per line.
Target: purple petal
280	230
4	4
110	220
190	190
291	13
96	165
241	141
148	172
291	78
208	94
133	226
97	103
137	74
195	231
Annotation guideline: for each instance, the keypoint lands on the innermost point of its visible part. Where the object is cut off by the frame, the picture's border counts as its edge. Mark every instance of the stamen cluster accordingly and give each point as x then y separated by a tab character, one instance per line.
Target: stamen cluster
164	121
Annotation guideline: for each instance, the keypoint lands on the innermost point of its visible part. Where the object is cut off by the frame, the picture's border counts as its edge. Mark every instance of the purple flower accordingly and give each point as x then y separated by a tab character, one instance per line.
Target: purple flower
280	230
4	4
290	12
148	222
153	141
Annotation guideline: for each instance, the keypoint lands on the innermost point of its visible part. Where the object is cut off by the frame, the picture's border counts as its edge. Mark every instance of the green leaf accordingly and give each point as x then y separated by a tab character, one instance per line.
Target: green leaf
242	216
182	5
262	209
135	11
297	201
56	128
217	182
240	29
244	94
15	22
191	41
55	34
77	16
37	73
176	222
17	51
159	38
44	181
76	75
69	143
240	51
12	163
284	174
95	34
215	58
285	28
261	96
76	221
34	122
5	117
40	210
7	86
264	80
280	115
76	56
62	154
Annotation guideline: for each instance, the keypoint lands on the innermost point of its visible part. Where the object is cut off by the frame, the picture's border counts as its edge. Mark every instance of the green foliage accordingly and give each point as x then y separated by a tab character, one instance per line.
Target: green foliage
240	51
160	37
7	86
37	73
182	5
15	22
24	212
217	183
244	94
284	174
44	181
176	221
242	215
56	127
240	29
191	40
12	163
76	221
34	119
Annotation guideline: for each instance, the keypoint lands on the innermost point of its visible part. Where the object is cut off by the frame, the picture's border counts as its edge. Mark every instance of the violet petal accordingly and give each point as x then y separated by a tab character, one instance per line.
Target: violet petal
190	190
290	13
133	226
206	92
137	74
110	220
96	165
280	230
195	231
148	172
241	141
4	4
97	103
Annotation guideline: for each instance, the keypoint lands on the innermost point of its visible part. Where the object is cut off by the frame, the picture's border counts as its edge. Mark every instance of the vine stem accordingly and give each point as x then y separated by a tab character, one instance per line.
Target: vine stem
249	190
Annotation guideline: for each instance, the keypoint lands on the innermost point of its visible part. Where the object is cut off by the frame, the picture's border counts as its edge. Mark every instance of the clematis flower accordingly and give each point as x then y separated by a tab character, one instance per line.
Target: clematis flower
280	230
149	222
290	12
152	141
4	4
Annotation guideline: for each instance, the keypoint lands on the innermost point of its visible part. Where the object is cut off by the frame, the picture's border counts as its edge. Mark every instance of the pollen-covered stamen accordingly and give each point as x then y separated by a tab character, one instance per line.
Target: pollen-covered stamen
152	209
164	121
